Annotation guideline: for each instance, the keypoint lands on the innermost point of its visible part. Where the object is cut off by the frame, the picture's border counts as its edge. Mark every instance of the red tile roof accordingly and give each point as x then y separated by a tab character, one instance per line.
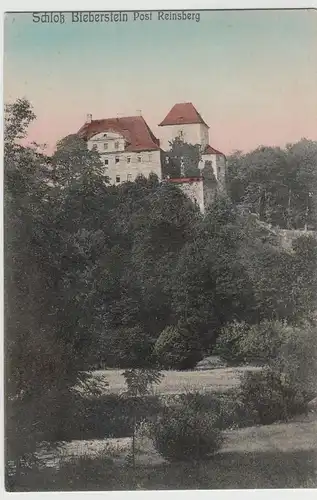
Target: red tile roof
212	151
136	131
182	114
184	180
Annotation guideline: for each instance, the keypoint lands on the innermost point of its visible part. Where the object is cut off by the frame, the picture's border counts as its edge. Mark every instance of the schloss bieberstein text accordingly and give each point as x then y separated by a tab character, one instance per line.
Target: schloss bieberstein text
113	17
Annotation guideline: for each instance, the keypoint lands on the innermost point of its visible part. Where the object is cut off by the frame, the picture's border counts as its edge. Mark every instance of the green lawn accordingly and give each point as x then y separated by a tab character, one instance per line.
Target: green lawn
273	456
175	382
282	455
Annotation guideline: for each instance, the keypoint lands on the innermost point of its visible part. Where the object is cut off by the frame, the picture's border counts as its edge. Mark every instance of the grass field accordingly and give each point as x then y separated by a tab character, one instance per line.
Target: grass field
174	382
272	456
282	455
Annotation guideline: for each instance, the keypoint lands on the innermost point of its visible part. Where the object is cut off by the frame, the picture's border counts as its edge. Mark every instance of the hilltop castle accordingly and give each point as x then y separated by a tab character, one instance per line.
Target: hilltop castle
129	148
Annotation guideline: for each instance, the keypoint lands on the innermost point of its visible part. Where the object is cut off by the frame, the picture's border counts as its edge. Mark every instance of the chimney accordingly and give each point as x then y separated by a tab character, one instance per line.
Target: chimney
139	112
89	118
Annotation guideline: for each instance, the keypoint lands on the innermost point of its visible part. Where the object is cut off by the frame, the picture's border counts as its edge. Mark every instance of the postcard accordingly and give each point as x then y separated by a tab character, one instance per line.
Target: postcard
160	256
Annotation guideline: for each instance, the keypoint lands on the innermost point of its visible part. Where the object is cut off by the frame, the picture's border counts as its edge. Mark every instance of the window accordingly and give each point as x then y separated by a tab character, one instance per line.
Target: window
105	145
117	159
129	159
106	161
150	158
129	177
116	145
181	134
117	178
139	159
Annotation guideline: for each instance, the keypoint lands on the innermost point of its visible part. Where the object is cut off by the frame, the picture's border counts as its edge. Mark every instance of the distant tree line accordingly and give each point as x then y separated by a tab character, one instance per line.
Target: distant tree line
279	184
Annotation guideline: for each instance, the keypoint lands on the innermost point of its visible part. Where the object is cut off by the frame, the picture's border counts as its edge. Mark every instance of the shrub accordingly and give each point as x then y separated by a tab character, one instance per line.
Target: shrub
291	349
184	433
227	409
178	347
228	342
270	395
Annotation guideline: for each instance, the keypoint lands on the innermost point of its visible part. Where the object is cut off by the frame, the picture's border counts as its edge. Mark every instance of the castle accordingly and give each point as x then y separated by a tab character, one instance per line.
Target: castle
128	148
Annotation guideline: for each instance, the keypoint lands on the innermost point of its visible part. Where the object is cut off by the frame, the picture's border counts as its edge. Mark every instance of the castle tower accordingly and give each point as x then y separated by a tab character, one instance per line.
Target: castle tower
184	121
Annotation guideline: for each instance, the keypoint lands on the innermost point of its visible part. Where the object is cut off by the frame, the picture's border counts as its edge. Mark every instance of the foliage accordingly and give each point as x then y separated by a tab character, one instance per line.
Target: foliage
210	285
182	159
95	272
129	348
227	409
288	354
228	343
178	347
183	433
278	184
139	384
73	162
270	395
290	348
45	337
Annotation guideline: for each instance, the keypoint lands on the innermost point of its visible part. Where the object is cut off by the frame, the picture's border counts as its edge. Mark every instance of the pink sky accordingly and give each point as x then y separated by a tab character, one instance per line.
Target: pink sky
251	75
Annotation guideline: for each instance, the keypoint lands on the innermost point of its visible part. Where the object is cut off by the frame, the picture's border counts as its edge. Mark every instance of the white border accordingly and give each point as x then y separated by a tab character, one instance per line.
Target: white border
102	5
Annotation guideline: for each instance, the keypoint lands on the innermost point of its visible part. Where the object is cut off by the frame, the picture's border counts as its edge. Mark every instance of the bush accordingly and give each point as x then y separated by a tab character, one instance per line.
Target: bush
289	355
240	343
227	409
228	342
270	395
184	433
291	349
178	347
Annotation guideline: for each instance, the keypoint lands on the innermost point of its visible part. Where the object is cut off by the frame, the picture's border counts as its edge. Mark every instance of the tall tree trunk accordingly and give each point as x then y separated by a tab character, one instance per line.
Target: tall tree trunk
306	216
289	208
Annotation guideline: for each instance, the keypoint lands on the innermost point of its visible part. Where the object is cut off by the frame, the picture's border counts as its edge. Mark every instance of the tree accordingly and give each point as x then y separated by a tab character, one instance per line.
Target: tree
278	184
35	357
73	161
182	159
139	383
209	284
178	347
49	322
